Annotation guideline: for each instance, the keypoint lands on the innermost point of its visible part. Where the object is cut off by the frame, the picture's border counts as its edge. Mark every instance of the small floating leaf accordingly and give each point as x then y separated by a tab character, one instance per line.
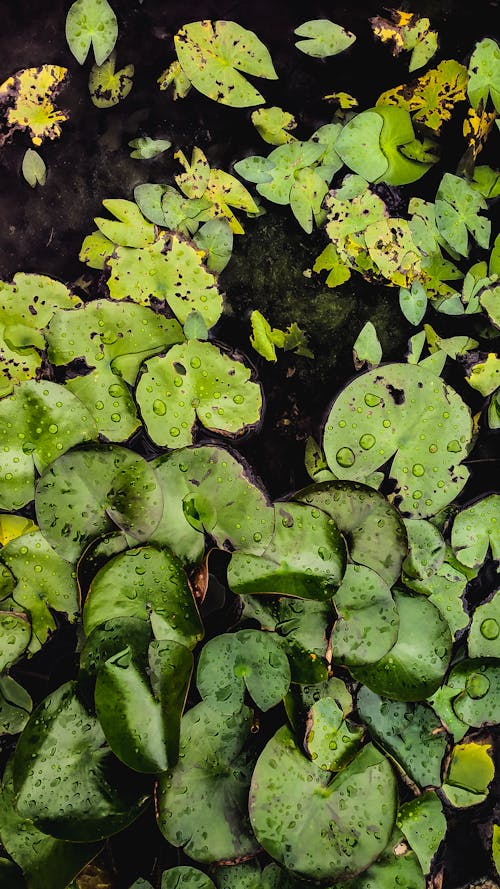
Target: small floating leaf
15	709
107	86
431	99
484	74
15	634
476	529
469	774
367	349
186	878
323	38
273	124
34	169
424	826
484	632
91	22
458	206
367	618
406	31
145	148
330	741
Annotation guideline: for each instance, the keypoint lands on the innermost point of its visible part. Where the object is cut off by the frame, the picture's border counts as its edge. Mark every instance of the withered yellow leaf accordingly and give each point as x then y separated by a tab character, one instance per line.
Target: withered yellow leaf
27	101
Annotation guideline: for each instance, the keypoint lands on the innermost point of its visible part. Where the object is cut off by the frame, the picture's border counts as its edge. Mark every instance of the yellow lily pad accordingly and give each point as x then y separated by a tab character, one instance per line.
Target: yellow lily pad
27	98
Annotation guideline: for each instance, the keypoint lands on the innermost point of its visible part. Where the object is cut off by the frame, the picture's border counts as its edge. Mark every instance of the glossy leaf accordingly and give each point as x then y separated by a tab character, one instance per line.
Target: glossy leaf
476	530
401	409
373	529
330	740
424	826
27	102
470	696
484	74
323	38
197	381
483	638
202	802
367	622
63	741
15	634
248	659
212	54
38	423
415	665
184	877
15	708
91	23
397	865
109	486
305	558
427	549
33	168
410	733
292	802
469	774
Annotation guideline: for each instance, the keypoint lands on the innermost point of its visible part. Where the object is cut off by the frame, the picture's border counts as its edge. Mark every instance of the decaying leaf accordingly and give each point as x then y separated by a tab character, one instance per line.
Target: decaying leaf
174	76
476	129
431	99
273	124
107	86
26	100
407	31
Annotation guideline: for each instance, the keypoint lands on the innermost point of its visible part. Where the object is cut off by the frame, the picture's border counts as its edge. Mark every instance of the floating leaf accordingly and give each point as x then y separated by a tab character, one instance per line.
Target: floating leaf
402	406
107	86
432	98
15	709
145	148
170	270
397	866
234	511
202	802
305	558
410	733
424	826
470	697
485	375
427	549
367	349
485	629
248	659
62	740
174	75
196	381
367	618
476	529
469	774
15	634
91	23
484	74
215	237
274	124
40	583
91	491
415	665
407	31
330	741
457	213
180	877
212	54
490	301
26	99
113	339
323	38
34	169
131	229
373	529
292	801
147	583
46	863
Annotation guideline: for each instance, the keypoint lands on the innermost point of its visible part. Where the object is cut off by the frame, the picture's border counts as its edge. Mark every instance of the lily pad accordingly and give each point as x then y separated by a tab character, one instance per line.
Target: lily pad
62	740
483	638
47	863
476	530
470	772
373	529
184	877
323	38
397	866
91	491
248	659
367	622
470	697
15	709
38	423
34	168
170	271
410	733
424	826
212	54
202	802
113	339
234	511
197	381
307	820
405	413
306	557
426	549
274	124
415	665
330	740
15	634
215	237
39	582
457	213
27	102
107	86
91	23
147	583
484	74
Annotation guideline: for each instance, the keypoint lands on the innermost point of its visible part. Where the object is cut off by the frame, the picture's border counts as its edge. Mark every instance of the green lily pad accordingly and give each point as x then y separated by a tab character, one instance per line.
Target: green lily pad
367	622
359	145
142	724
212	54
247	875
301	698
107	86
15	635
215	237
197	381
373	529
109	639
129	229
483	638
184	877
274	125
202	802
15	708
91	491
424	826
484	74
457	213
410	733
88	802
445	589
91	22
397	866
476	529
415	665
248	659
316	825
330	740
172	271
207	490
38	423
147	583
470	697
367	349
302	625
426	549
470	772
46	863
113	339
403	412
306	557
323	38
39	582
34	168
145	148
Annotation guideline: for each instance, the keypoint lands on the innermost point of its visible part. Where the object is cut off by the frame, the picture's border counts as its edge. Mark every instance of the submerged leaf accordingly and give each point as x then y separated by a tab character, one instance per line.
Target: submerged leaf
34	169
146	148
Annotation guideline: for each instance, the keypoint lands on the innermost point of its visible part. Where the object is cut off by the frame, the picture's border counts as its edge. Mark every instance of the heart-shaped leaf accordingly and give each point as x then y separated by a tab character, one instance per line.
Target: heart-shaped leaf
185	877
424	825
15	707
330	740
91	22
15	634
323	38
367	622
476	529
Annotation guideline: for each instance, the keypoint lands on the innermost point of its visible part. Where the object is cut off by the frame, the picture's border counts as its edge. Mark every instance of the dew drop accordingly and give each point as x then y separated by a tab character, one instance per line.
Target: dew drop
477	686
372	400
418	469
367	441
454	446
115	390
489	628
345	457
175	432
53	428
159	407
238	399
116	418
